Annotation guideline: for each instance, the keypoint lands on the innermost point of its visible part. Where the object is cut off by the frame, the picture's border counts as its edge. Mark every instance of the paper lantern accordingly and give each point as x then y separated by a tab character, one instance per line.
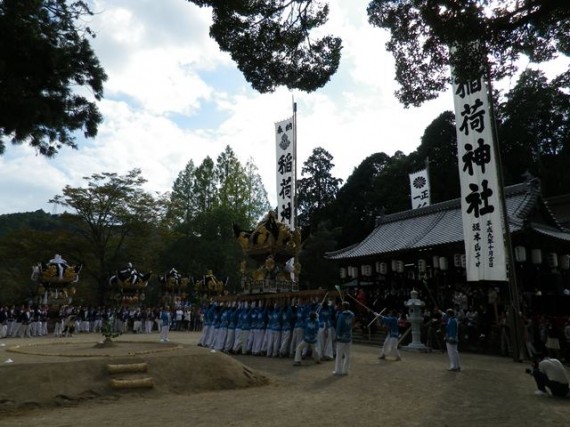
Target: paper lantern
394	265
366	270
435	261
422	265
463	261
378	266
400	266
443	263
520	253
457	260
536	256
343	273
383	268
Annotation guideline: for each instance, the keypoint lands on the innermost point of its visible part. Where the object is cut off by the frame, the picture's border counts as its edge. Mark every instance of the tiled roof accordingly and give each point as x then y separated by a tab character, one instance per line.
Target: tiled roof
441	224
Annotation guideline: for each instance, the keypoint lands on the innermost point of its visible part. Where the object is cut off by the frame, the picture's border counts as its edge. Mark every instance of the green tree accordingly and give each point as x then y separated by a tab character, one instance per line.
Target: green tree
114	216
44	56
240	187
488	33
439	145
182	207
206	201
392	186
205	185
25	240
273	42
316	270
318	189
270	40
356	207
257	201
534	131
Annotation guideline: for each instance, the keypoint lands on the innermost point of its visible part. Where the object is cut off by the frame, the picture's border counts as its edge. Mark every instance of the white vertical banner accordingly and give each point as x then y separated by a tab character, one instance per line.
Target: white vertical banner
419	189
480	193
285	162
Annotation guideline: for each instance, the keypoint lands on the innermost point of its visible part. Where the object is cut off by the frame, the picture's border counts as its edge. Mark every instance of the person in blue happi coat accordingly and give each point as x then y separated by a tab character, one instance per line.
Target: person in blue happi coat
310	332
343	339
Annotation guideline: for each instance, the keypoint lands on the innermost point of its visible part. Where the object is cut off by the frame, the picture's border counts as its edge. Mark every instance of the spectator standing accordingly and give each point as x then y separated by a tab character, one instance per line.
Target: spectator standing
165	320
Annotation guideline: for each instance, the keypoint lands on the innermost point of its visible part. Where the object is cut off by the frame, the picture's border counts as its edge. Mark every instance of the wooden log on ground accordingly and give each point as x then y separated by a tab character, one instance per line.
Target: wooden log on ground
132	383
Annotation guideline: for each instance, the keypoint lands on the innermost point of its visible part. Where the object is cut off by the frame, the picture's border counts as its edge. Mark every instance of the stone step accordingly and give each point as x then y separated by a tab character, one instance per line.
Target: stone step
130	383
131	376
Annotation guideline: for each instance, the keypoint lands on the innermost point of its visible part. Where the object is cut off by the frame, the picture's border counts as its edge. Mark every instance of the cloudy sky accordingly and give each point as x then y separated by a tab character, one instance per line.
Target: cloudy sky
172	97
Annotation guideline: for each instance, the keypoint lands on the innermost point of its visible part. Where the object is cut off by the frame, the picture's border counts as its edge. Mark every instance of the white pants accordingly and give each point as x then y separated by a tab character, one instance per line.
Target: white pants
453	356
164	332
273	342
240	342
205	333
326	336
390	347
148	326
305	345
258	337
296	339
342	362
285	343
220	340
230	340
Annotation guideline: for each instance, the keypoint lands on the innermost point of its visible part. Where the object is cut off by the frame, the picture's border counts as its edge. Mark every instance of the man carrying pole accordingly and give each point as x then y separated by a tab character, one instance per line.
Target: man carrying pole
391	342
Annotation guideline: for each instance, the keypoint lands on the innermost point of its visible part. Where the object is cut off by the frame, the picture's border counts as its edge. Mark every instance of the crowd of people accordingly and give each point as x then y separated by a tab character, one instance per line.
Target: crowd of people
300	328
265	328
483	321
38	320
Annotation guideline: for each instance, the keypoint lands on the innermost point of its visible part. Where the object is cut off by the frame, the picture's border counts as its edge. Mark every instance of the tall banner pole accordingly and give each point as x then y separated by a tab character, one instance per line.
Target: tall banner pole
295	222
516	329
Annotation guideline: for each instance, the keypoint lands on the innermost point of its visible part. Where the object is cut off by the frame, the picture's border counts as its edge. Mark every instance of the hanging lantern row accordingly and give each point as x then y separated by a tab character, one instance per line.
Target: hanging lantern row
552	258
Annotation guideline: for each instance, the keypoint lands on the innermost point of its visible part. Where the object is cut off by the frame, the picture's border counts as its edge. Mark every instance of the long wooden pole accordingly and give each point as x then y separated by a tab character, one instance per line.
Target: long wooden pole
512	280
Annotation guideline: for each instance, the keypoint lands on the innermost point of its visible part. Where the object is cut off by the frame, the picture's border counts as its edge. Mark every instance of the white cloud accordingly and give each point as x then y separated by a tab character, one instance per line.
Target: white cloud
173	96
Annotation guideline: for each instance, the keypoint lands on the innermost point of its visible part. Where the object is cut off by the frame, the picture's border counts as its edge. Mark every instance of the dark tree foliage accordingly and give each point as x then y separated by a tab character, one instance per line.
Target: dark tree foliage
318	189
356	205
38	220
534	132
439	146
44	56
115	219
392	185
271	41
26	239
485	33
316	270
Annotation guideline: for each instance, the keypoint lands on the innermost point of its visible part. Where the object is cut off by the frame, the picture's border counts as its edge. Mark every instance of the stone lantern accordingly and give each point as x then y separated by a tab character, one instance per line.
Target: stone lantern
415	317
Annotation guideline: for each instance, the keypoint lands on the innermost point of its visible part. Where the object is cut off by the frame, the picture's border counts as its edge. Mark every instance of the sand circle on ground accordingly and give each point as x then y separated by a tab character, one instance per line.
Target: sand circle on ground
93	349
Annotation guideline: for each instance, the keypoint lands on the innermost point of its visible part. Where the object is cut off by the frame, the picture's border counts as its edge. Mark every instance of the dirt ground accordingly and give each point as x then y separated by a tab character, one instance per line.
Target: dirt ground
64	382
